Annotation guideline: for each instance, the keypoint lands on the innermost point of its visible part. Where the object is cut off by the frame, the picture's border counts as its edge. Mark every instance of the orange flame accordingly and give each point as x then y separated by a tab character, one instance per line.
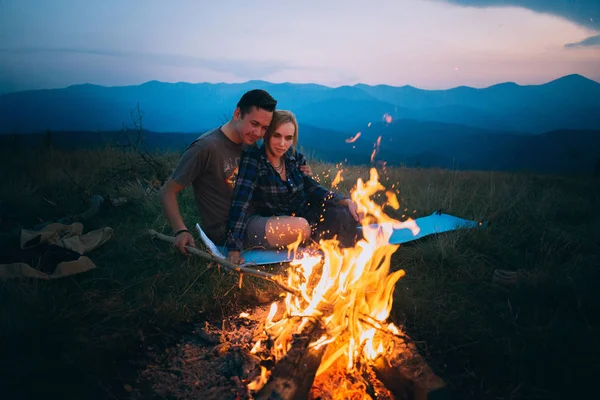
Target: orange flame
349	289
353	138
338	178
255	348
258	383
392	200
376	149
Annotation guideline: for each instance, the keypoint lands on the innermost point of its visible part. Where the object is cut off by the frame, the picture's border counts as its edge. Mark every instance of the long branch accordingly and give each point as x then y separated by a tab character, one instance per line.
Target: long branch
228	264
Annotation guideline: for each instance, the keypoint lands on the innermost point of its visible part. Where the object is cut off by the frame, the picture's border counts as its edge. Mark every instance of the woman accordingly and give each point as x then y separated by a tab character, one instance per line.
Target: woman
274	202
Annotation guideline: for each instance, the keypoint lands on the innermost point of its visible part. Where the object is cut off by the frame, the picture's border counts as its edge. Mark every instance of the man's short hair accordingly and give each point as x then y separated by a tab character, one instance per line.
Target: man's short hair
256	98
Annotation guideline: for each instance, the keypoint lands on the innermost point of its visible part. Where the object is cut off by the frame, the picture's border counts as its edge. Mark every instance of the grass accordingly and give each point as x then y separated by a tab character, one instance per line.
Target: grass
72	337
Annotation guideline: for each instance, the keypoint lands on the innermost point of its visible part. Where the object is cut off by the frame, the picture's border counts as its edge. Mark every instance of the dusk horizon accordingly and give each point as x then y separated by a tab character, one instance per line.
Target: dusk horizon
432	45
249	81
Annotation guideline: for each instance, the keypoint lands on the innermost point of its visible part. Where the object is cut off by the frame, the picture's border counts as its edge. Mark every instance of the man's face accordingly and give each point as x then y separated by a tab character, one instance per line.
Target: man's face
252	126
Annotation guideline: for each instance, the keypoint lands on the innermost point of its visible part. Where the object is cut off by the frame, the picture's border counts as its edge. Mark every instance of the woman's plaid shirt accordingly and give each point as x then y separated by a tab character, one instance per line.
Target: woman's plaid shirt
259	185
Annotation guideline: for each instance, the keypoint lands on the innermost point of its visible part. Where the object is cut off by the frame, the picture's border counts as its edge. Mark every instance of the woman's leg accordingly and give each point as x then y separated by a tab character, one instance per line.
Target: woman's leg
281	231
276	231
336	221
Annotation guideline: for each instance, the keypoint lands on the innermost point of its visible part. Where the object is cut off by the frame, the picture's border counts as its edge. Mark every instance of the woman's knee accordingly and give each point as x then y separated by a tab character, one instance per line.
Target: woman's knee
281	231
298	227
303	228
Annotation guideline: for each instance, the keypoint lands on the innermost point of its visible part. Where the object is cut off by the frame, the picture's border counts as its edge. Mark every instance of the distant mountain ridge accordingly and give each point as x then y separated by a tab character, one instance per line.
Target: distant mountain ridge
570	102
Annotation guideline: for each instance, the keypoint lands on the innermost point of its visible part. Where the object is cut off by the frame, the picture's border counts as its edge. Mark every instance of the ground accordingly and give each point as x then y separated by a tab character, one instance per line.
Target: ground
85	336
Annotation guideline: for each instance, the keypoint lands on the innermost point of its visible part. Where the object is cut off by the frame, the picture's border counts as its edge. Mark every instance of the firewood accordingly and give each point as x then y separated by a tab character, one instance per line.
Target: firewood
407	375
293	375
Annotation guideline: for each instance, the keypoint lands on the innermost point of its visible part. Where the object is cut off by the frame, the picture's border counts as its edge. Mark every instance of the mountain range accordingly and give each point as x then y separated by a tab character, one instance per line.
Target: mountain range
488	128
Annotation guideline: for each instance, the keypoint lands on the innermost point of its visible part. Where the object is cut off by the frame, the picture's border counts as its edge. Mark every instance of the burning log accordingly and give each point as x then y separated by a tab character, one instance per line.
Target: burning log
406	374
293	375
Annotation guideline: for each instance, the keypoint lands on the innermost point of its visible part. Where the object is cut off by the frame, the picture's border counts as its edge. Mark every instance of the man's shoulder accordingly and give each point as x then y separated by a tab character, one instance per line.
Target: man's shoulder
208	139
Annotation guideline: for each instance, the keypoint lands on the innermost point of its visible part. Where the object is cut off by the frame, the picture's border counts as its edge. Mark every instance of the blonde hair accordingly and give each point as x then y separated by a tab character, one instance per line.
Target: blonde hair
281	117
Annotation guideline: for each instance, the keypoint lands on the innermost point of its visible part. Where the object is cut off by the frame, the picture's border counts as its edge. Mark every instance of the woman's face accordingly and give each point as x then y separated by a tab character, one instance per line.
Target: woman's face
282	139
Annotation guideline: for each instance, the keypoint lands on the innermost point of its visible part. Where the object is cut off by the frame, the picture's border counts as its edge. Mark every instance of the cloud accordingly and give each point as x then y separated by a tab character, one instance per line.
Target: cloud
582	12
591	41
242	69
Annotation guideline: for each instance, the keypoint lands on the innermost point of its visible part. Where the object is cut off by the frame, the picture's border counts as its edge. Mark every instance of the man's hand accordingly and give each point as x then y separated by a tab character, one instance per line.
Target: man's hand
182	240
353	208
306	169
234	257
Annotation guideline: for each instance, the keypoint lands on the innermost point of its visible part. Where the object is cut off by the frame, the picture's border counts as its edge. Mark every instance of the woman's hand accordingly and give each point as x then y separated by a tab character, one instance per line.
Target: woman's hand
353	208
234	257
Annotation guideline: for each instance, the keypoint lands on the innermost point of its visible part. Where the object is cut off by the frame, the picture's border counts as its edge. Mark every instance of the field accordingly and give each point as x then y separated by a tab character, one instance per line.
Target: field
536	339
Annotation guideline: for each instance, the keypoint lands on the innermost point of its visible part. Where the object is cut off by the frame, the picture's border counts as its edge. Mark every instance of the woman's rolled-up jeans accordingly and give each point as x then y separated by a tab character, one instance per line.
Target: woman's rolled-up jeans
325	222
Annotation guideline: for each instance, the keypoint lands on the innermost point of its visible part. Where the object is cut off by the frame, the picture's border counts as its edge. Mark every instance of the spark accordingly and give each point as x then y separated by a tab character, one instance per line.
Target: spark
353	138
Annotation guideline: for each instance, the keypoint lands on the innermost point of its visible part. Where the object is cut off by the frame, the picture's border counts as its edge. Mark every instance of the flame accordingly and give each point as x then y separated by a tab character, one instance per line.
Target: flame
350	290
260	381
376	149
392	200
255	348
353	138
338	178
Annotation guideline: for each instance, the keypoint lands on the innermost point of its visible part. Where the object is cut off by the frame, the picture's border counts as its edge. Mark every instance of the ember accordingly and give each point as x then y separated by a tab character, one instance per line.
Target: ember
353	139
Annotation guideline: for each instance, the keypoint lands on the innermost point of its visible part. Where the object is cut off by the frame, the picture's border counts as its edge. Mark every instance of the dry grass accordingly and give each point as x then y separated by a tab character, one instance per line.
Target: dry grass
72	336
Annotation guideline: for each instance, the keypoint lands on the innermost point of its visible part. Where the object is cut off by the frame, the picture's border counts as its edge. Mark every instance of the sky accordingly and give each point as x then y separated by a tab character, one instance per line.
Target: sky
429	44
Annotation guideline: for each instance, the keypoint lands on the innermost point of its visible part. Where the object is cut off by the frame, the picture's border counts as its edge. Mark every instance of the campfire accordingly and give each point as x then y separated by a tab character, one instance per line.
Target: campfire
334	323
329	337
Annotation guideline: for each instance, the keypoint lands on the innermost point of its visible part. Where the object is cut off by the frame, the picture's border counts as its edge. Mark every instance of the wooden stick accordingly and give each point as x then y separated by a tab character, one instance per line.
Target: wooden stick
228	264
367	319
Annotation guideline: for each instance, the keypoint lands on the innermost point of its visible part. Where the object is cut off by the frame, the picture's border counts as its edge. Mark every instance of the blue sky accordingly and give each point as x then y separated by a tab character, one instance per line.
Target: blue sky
430	44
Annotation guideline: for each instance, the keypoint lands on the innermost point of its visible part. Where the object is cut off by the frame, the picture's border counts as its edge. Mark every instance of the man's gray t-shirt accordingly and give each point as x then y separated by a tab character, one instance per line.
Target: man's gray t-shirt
210	164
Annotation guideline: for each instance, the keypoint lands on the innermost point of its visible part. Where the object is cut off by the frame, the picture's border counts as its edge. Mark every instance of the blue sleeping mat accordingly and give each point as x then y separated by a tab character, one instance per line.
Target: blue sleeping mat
429	225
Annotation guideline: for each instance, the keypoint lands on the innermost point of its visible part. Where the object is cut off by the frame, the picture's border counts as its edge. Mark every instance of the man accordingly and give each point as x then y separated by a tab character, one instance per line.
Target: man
210	165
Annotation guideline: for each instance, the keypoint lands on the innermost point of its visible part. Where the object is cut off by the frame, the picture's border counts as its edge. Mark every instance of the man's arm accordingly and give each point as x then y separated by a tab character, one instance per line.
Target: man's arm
194	161
242	195
168	200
